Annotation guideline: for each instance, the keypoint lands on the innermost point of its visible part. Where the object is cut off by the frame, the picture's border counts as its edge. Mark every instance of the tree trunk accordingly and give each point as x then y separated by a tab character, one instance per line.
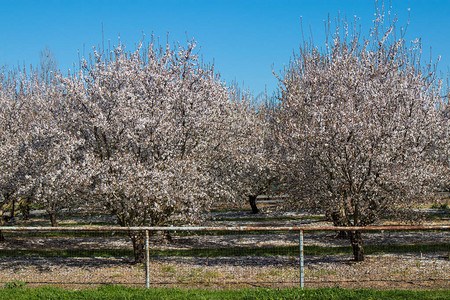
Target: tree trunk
167	237
53	220
138	239
341	234
337	221
252	201
2	223
356	242
25	209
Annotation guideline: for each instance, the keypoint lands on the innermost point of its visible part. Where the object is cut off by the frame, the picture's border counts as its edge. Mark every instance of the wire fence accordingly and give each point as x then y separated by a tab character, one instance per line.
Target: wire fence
225	257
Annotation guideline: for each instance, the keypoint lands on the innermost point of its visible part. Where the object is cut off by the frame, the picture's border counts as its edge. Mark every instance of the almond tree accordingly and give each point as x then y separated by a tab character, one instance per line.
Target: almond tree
246	163
444	151
152	120
359	126
11	142
40	158
54	155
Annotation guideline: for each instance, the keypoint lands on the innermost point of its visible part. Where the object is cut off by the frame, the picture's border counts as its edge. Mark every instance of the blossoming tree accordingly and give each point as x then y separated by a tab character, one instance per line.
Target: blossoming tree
359	126
248	159
11	140
152	120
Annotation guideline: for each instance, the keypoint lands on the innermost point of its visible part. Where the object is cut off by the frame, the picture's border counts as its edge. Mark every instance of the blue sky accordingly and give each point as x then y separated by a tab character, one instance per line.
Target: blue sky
245	38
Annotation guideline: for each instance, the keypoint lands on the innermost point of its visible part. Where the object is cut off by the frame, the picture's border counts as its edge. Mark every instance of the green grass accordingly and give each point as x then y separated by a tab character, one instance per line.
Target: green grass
125	234
231	252
230	210
68	253
118	292
439	215
294	250
443	206
75	224
74	234
271	219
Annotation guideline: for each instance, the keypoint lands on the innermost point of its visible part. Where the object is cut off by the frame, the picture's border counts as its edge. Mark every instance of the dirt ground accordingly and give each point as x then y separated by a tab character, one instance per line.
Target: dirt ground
388	271
381	272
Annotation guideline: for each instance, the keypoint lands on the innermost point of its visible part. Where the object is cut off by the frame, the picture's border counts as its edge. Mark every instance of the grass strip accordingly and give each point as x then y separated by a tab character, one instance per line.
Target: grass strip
119	292
69	234
271	219
230	251
68	253
294	250
7	234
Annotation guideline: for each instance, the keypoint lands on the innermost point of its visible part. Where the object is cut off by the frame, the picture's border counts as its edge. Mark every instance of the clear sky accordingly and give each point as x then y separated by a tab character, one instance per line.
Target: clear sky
246	38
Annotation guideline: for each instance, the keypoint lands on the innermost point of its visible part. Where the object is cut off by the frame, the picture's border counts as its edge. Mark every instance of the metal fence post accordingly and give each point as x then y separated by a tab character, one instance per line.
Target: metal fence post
302	269
147	261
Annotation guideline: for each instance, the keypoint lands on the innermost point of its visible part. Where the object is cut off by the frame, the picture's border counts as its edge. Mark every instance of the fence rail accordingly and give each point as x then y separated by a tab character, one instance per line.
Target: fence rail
228	228
291	229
